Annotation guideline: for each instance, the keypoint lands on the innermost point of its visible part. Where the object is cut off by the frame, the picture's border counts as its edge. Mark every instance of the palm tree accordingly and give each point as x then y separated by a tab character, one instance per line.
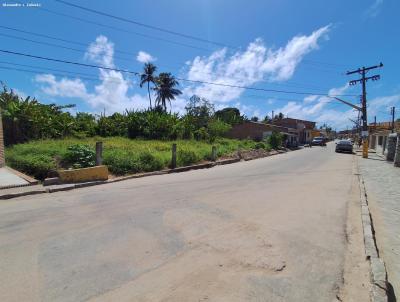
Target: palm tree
165	89
148	77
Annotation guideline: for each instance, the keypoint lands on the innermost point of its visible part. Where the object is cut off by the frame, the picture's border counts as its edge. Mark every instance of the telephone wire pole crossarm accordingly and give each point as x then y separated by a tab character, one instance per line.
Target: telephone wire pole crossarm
363	80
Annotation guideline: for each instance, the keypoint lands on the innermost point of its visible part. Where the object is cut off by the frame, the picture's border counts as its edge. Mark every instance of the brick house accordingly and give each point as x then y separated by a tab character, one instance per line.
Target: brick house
303	127
2	156
258	131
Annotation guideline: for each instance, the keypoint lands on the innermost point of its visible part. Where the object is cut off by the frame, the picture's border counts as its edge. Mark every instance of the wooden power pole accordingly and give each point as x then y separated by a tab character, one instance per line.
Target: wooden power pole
363	71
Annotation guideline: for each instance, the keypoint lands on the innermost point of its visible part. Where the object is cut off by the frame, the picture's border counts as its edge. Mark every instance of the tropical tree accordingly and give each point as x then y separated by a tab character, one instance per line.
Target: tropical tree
165	89
148	77
230	116
199	110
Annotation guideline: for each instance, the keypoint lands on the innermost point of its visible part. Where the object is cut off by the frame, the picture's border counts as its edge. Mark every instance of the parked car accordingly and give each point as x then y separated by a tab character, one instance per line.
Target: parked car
318	141
344	146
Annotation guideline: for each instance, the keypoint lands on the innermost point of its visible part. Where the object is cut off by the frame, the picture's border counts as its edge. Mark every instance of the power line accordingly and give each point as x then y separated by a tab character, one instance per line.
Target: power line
122	30
306	61
56	38
65	72
180	79
116	57
141	24
69	62
60	46
125	59
56	74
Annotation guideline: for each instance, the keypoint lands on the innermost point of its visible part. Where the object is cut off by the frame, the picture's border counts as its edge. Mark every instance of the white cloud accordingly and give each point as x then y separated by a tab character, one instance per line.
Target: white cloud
316	108
74	88
101	52
383	104
248	67
112	94
144	57
374	9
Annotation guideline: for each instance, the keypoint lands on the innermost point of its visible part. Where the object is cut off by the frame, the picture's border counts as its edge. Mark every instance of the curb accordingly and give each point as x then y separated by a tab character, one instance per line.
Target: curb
20	194
378	274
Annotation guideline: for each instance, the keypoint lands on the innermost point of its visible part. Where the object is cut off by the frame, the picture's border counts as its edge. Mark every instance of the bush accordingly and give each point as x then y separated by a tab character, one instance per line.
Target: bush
275	140
80	156
149	162
153	125
122	162
217	128
260	146
38	166
187	157
114	125
201	134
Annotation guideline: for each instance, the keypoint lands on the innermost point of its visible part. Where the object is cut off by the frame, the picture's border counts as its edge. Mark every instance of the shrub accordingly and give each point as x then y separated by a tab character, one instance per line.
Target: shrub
201	134
153	125
260	145
38	166
120	163
114	125
80	156
149	162
217	128
187	157
275	140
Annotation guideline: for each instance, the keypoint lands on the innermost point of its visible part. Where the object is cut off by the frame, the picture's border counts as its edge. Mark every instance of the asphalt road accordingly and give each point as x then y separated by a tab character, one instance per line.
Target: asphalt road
271	229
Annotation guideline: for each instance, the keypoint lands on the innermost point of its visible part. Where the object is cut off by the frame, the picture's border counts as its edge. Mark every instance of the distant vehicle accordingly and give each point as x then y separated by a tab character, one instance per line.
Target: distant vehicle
318	141
344	146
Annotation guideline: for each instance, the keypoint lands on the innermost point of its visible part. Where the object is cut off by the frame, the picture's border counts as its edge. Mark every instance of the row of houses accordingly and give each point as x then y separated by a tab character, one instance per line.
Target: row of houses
297	131
379	134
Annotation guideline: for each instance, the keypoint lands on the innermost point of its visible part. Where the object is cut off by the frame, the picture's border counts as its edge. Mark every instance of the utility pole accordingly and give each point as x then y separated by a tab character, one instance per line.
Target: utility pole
363	71
392	111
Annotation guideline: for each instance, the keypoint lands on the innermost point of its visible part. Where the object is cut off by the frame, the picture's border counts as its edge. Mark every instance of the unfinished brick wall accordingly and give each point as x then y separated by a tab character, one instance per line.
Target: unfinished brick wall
248	130
2	157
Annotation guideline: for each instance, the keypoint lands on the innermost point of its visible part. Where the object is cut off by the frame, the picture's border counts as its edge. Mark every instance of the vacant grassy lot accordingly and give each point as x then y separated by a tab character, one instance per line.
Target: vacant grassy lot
121	155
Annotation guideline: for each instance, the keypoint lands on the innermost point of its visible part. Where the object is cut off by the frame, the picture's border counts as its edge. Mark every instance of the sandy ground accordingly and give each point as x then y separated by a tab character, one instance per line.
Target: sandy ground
283	228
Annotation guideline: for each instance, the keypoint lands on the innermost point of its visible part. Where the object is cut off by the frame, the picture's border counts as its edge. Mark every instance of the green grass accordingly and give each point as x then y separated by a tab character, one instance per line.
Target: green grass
121	155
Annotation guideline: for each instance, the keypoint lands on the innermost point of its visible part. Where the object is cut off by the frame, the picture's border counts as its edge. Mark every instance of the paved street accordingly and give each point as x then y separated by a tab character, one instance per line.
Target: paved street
272	229
382	185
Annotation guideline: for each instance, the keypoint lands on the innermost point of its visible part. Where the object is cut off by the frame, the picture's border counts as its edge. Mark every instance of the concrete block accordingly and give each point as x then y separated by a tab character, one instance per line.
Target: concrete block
51	181
84	174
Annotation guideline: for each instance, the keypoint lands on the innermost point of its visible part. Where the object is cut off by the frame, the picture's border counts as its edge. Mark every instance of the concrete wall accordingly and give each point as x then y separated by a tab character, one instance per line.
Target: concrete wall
2	156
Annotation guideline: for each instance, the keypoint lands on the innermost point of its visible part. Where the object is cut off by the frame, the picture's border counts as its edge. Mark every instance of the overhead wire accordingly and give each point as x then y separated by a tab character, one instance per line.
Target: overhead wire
117	57
178	78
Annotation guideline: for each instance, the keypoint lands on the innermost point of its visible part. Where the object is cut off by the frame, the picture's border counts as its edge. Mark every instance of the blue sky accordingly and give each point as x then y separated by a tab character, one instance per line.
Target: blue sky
300	46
